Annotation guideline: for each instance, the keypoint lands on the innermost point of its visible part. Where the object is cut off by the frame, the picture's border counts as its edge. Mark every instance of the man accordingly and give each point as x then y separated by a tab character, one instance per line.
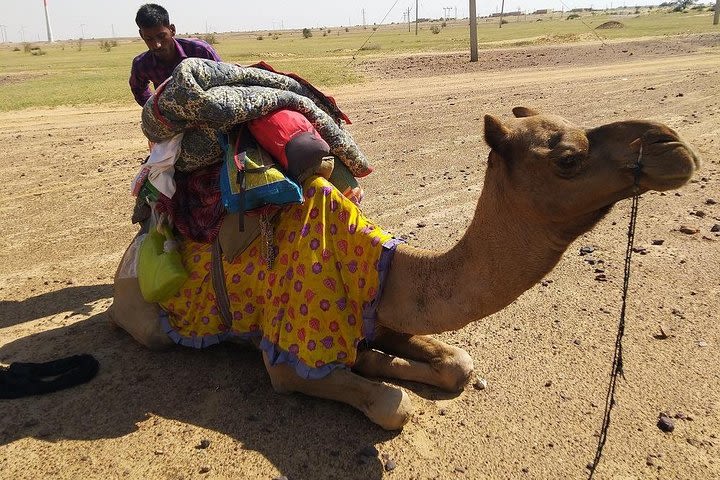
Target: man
164	53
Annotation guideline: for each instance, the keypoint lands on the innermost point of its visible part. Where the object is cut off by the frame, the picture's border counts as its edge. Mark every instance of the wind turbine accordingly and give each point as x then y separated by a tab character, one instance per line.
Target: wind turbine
47	22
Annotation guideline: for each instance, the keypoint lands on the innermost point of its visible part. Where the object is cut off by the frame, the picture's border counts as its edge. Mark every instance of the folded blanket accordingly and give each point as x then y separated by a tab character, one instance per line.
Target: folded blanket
204	97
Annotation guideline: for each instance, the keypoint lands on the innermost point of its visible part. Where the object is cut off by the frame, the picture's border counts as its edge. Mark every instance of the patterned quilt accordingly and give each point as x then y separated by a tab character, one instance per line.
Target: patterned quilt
203	97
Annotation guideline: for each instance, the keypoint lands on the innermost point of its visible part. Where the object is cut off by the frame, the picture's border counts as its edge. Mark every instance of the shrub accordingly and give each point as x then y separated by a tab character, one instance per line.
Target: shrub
347	29
16	49
307	33
370	46
210	38
38	51
435	29
572	16
106	45
259	37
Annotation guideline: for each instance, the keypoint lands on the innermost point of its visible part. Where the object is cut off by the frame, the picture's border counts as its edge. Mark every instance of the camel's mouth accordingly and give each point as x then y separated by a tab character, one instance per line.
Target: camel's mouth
667	164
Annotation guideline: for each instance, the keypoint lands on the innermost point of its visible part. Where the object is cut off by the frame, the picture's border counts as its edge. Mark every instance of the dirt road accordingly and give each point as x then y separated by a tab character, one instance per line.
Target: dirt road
64	205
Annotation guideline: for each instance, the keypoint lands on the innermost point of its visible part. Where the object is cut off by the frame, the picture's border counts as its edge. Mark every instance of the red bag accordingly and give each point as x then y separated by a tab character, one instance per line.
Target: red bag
291	139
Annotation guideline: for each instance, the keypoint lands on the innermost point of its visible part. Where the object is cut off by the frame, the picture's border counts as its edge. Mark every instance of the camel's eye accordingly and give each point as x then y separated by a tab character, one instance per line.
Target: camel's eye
569	164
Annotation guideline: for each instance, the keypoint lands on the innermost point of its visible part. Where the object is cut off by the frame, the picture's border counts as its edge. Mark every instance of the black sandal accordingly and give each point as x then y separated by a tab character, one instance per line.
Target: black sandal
25	379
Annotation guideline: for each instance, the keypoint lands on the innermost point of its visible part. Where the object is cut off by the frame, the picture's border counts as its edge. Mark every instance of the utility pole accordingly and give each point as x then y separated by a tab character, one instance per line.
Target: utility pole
3	32
473	32
82	30
363	14
416	16
22	33
408	18
502	9
716	17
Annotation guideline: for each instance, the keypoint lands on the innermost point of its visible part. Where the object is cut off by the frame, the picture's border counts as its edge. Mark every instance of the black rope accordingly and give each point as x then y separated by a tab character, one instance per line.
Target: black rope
617	368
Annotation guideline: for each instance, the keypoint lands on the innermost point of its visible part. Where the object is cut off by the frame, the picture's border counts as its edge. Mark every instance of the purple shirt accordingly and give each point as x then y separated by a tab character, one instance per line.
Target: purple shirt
146	69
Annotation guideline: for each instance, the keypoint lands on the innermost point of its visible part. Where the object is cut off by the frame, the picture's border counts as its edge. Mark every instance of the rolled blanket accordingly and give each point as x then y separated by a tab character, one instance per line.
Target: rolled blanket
203	97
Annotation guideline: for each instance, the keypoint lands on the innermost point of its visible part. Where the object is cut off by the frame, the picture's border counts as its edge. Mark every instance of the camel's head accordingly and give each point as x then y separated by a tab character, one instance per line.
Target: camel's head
571	175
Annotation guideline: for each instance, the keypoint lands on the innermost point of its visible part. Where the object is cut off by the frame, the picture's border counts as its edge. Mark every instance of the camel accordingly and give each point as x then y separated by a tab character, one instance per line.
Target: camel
547	182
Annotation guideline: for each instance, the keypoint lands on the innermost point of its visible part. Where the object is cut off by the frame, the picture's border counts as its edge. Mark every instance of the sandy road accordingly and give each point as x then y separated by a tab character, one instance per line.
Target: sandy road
64	220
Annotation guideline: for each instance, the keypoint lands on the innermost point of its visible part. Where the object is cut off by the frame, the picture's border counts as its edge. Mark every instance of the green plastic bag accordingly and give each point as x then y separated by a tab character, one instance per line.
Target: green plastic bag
160	269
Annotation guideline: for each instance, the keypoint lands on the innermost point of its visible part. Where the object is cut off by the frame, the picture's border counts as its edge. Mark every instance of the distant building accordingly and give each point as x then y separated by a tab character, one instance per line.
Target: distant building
507	14
542	11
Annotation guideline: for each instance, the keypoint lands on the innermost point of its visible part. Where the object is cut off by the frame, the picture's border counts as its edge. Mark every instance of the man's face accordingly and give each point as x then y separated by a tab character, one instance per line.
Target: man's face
159	41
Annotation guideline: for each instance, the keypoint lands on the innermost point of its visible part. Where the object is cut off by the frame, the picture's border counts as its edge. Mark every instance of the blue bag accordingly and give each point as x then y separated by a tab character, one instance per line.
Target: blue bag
250	181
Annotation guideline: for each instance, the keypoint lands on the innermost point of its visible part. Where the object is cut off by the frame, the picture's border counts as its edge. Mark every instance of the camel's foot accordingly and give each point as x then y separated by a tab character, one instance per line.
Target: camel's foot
391	408
454	369
386	405
417	358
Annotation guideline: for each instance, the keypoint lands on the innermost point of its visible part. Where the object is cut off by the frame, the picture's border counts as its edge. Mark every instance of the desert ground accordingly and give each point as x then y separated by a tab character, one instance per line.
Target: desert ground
65	223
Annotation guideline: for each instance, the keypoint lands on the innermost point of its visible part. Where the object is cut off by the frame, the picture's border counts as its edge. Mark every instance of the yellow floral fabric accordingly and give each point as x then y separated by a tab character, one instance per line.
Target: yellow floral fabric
312	306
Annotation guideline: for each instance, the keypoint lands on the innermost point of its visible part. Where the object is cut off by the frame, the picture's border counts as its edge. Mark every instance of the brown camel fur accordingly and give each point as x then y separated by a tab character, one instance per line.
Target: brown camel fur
547	182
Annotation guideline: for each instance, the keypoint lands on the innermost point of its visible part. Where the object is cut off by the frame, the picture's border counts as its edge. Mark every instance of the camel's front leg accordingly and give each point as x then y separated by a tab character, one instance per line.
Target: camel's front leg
386	405
417	358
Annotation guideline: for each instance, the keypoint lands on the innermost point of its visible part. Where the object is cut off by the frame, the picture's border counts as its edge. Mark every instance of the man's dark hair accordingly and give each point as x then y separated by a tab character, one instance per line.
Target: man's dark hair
152	15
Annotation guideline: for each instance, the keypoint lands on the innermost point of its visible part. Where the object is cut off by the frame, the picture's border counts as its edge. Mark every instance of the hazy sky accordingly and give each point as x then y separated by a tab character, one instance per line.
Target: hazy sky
25	19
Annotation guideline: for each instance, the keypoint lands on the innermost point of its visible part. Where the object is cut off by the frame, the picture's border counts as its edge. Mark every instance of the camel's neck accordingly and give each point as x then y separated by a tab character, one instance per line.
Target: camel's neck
502	254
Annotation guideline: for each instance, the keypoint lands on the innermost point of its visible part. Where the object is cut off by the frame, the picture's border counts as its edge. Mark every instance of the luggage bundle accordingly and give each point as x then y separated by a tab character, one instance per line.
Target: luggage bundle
231	141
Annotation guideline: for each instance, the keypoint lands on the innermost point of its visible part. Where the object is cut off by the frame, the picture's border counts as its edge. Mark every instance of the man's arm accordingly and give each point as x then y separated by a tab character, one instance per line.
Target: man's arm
213	54
139	85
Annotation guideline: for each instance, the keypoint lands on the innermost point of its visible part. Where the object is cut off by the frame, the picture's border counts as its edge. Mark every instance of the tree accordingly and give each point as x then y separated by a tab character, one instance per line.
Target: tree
682	5
307	33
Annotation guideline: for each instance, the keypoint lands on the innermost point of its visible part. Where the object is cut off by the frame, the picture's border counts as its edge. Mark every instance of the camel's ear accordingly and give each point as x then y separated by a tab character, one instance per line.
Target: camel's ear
496	134
521	112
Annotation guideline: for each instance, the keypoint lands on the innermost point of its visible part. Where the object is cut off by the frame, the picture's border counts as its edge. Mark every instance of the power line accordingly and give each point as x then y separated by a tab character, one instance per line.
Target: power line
371	33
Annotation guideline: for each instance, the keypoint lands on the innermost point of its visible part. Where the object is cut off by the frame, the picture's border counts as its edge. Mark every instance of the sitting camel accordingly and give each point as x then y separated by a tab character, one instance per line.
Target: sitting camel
547	182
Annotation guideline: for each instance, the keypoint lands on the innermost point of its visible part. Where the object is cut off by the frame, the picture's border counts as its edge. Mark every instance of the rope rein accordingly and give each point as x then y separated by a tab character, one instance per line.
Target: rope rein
617	367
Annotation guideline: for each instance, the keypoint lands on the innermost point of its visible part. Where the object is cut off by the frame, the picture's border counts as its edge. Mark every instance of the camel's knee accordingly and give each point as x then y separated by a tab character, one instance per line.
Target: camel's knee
455	368
282	377
142	324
